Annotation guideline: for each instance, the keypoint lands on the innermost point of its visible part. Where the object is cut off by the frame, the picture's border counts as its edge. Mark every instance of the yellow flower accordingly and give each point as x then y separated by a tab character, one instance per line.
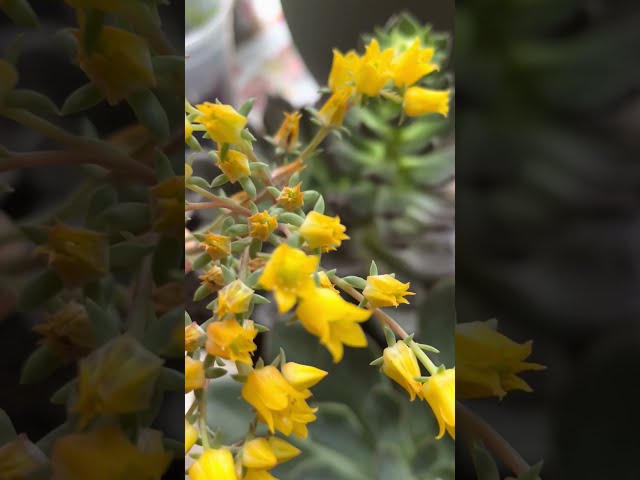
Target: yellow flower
213	278
188	129
222	122
420	101
214	464
325	282
190	436
385	291
301	376
261	225
325	314
235	165
258	475
291	198
333	111
119	64
287	135
342	68
263	454
93	454
193	374
232	341
118	378
77	255
413	64
373	71
401	366
194	337
217	246
167	207
20	459
288	275
234	298
322	231
67	332
489	363
8	79
440	392
279	404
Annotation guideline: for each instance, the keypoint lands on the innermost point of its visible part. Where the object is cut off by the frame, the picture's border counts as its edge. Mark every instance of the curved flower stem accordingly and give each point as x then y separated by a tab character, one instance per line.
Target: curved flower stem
111	157
474	428
315	142
217	202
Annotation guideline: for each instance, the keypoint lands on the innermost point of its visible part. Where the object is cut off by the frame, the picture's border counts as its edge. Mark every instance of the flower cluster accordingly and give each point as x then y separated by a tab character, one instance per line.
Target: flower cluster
270	238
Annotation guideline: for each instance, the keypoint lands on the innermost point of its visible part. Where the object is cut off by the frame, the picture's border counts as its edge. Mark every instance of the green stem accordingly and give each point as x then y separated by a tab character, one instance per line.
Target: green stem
219	201
424	359
202	420
315	142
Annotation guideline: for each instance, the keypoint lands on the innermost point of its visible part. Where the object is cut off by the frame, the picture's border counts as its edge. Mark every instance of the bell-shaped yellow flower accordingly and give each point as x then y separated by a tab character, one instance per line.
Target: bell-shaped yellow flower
385	291
214	464
235	165
257	453
411	65
325	314
105	453
420	101
488	362
261	225
222	122
119	63
325	282
67	332
193	374
213	278
291	198
118	378
301	376
77	255
288	275
287	135
282	449
342	71
440	392
190	436
234	298
217	246
322	231
194	337
335	108
258	475
373	71
401	366
20	459
279	404
230	340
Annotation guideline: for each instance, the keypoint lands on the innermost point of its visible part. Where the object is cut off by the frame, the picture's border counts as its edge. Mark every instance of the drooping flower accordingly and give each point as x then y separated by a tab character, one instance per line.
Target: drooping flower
325	314
190	436
288	275
385	291
222	122
440	392
77	255
213	278
373	71
194	337
118	378
420	101
287	135
258	475
105	453
67	332
335	108
193	374
20	459
217	246
234	164
411	65
261	225
401	366
234	298
264	454
119	63
322	231
291	198
214	464
230	340
279	404
488	362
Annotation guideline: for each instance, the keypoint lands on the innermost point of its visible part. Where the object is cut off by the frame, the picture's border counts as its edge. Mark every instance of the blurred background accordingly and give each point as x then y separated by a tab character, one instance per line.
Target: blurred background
548	224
